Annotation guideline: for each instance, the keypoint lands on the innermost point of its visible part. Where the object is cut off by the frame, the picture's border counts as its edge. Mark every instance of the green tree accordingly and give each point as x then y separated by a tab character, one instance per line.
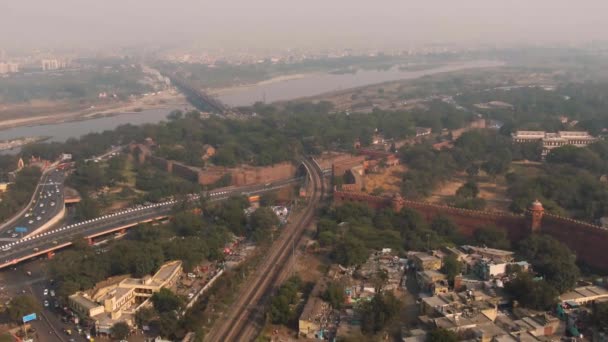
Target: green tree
263	218
282	304
441	335
166	301
21	306
378	312
531	293
120	330
144	316
492	237
350	251
600	315
452	267
262	221
87	209
552	259
468	190
334	295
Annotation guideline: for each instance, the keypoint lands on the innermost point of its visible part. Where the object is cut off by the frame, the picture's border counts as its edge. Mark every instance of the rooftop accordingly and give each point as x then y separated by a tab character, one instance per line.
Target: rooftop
580	293
83	301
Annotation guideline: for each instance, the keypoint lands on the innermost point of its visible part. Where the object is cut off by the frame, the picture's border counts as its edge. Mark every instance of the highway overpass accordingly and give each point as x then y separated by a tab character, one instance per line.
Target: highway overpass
48	242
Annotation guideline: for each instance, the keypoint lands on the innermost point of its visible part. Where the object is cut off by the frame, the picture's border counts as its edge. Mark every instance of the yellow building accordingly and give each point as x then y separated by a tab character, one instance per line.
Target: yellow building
426	262
119	302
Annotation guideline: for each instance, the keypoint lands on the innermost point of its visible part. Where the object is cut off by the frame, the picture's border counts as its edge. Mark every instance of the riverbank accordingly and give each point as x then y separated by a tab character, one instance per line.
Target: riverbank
161	100
11	144
240	87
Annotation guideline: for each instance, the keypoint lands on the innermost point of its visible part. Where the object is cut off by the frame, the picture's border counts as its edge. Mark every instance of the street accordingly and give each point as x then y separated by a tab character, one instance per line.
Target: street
48	327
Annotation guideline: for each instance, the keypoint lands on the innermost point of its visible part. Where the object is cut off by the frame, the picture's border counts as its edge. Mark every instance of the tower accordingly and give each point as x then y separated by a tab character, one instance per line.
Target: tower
397	202
536	212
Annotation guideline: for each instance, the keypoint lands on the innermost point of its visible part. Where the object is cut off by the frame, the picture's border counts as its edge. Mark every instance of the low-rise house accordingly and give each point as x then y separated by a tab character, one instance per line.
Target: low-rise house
432	282
496	255
425	262
585	294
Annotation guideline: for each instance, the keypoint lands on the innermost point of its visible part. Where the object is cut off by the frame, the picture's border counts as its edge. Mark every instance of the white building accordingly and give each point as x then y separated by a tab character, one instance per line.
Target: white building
553	140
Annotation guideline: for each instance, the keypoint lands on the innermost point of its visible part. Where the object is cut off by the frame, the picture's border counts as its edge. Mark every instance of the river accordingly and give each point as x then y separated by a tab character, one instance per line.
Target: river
308	85
320	83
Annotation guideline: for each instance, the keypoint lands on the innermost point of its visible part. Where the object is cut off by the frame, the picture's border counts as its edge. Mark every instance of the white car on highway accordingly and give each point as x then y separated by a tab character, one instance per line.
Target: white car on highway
46	292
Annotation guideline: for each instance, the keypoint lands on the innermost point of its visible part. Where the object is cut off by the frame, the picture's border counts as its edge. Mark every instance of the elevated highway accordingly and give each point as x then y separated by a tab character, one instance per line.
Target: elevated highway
46	243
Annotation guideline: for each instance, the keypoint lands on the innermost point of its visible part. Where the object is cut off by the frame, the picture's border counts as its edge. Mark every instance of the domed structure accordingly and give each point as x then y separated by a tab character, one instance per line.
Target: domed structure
397	202
536	206
536	210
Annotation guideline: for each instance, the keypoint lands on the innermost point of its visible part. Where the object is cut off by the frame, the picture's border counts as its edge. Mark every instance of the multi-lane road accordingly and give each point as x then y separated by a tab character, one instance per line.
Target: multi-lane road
247	314
46	203
14	252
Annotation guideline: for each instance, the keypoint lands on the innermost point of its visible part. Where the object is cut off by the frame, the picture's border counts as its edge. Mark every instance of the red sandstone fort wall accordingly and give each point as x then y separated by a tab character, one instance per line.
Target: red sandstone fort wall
468	221
208	177
255	175
587	241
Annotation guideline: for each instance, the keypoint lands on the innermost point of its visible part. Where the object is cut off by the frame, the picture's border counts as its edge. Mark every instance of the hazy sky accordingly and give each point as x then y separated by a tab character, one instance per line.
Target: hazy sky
294	23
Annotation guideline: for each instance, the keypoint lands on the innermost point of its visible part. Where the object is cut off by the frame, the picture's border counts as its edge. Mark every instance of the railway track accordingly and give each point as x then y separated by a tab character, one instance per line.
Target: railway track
242	323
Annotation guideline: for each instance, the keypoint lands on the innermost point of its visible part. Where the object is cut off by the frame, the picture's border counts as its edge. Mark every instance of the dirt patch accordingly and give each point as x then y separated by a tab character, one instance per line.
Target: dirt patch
388	179
308	265
493	191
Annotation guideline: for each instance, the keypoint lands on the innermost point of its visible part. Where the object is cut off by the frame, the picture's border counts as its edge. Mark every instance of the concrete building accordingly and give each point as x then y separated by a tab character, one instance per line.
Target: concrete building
425	262
432	282
120	301
318	319
8	68
553	140
585	294
496	255
53	64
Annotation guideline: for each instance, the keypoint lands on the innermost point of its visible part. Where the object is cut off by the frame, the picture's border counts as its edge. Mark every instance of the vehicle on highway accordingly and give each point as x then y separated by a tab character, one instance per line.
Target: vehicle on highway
46	292
41	205
52	204
52	293
30	221
46	303
6	248
38	218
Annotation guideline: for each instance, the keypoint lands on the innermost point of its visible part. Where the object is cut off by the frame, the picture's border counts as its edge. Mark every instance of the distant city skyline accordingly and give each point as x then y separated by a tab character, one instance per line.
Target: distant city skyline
307	24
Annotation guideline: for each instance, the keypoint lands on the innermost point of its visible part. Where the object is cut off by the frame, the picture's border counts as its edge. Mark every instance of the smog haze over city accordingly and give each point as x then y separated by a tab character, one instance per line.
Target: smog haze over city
313	23
288	170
